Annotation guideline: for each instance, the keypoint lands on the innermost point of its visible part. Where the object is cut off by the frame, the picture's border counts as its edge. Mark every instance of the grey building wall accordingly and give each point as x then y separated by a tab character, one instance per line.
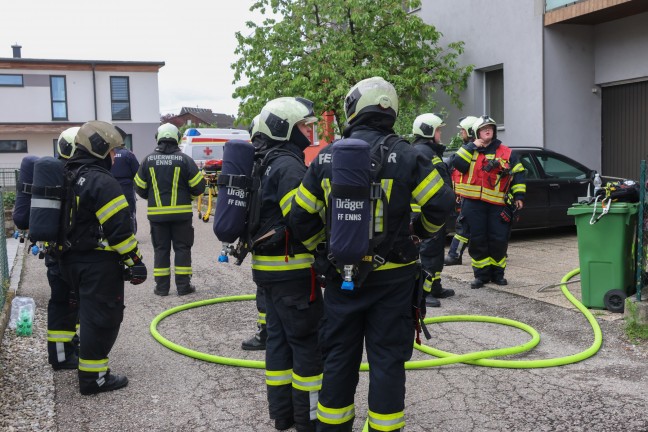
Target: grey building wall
143	137
622	50
573	112
507	32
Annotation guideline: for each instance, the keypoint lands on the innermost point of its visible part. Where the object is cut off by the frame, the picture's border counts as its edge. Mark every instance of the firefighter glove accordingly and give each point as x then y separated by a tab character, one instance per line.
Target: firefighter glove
138	273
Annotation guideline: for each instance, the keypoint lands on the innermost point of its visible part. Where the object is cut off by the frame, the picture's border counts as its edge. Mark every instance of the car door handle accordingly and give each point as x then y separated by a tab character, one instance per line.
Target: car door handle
554	185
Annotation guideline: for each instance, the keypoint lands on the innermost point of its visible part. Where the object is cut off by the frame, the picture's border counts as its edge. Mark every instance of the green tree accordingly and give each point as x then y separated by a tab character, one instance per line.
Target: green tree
318	50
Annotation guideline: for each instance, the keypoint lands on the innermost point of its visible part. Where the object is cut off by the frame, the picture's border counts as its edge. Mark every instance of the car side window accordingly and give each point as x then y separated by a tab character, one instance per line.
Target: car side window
559	168
531	171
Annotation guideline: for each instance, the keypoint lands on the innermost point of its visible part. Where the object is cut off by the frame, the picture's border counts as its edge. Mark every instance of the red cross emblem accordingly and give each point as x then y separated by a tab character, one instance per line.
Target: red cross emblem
208	151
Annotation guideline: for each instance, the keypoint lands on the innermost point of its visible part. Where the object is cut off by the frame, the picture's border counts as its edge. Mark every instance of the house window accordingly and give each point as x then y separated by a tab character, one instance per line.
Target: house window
494	94
11	80
13	146
120	98
128	141
59	97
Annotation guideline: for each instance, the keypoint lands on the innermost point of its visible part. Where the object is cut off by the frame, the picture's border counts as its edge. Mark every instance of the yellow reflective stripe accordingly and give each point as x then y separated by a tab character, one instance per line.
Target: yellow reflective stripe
108	210
196	179
261	319
386	185
60	335
139	182
286	202
501	263
182	270
170	209
461	238
156	192
335	416
436	160
386	422
427	188
481	263
428	226
278	263
278	378
464	154
415	208
311	383
518	188
427	285
518	168
93	365
174	186
307	200
312	242
326	188
390	266
126	246
166	271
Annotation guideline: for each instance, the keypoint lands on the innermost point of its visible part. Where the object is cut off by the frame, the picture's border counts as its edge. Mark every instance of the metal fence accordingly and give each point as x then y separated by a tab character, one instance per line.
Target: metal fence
4	259
8	178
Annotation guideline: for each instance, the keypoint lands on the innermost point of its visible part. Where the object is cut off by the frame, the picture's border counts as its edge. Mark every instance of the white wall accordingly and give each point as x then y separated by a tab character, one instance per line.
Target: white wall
144	96
497	31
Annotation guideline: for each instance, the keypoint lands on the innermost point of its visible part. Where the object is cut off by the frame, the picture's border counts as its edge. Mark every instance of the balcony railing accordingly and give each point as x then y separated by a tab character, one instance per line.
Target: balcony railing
555	4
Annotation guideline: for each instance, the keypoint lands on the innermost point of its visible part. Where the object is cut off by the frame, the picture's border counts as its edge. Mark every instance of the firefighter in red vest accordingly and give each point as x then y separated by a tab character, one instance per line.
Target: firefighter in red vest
492	186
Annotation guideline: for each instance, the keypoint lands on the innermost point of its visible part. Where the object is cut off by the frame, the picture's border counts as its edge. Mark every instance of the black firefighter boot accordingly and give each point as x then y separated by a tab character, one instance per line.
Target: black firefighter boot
439	292
258	341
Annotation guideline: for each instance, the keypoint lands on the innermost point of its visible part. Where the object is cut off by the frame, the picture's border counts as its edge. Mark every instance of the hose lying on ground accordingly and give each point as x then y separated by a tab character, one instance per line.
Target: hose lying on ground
479	358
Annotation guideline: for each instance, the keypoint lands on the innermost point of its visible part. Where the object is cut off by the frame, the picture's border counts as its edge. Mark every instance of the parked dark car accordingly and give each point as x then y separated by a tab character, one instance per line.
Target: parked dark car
554	182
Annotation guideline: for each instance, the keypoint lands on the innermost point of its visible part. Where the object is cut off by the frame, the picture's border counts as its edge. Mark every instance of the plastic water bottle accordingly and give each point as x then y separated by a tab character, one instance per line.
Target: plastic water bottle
223	258
597	183
24	323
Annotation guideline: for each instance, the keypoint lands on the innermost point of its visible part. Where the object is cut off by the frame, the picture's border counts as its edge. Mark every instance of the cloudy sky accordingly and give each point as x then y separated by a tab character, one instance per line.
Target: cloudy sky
195	39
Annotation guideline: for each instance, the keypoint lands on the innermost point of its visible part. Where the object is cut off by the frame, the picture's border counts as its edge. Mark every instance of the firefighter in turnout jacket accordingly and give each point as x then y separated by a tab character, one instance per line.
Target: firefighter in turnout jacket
462	230
170	180
378	312
99	241
427	140
281	266
62	307
492	187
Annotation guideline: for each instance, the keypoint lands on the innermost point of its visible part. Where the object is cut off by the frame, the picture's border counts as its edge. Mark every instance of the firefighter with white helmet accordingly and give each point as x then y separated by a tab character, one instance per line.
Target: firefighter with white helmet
378	312
99	241
427	140
281	267
492	187
170	180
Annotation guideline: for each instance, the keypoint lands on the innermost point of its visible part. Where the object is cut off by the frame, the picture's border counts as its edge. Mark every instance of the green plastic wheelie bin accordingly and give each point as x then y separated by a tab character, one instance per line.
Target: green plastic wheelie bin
606	245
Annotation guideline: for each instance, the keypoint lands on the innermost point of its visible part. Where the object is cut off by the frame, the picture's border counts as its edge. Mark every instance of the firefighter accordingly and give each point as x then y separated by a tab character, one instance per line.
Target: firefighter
462	232
377	313
124	170
492	187
170	180
258	341
100	241
281	265
62	307
427	140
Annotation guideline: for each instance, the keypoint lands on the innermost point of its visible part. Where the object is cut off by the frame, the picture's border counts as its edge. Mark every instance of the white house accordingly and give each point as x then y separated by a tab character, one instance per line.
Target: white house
39	98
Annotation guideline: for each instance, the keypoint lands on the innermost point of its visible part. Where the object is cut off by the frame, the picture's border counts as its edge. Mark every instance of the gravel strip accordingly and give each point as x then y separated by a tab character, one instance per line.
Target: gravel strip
26	380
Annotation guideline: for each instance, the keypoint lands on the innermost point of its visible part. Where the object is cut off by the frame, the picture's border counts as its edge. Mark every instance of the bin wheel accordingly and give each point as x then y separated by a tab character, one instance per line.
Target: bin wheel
614	300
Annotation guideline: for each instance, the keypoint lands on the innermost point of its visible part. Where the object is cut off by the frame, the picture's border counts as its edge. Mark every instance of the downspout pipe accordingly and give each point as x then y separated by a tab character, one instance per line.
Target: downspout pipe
94	90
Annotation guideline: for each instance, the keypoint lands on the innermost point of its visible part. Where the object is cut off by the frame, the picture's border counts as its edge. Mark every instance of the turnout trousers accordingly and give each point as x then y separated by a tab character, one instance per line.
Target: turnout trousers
380	317
98	277
62	315
489	236
180	236
432	251
293	355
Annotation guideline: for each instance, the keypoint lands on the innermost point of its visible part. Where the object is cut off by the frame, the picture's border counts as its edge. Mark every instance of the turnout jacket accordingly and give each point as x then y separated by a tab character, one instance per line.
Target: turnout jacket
101	218
406	177
169	180
277	255
492	174
434	152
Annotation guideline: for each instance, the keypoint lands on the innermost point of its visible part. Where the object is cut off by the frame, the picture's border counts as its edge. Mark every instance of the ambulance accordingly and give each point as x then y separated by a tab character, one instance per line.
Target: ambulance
206	144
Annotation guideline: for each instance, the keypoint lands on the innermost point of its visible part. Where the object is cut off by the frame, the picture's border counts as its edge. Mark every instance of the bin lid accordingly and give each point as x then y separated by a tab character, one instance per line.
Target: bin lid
616	207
